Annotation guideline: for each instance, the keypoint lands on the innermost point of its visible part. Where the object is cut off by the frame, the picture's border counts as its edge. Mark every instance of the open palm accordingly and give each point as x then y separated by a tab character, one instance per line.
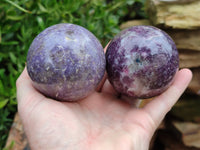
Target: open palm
99	122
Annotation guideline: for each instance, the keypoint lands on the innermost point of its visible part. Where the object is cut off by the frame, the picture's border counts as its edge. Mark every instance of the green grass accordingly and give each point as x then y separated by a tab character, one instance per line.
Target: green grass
22	20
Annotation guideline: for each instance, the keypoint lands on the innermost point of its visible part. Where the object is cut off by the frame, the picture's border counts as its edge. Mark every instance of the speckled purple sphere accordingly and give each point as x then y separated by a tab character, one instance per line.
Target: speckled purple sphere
66	62
141	62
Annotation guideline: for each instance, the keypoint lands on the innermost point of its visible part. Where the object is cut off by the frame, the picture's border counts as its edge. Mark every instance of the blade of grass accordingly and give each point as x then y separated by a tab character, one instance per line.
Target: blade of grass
3	103
0	34
17	6
115	6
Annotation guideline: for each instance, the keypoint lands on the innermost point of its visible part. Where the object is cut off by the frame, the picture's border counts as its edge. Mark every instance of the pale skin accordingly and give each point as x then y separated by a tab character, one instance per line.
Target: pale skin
101	121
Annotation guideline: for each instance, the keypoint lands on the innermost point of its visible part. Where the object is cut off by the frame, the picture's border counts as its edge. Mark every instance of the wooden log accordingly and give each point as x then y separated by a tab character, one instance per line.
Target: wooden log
166	140
187	109
134	23
190	133
189	59
16	138
177	14
186	39
177	135
194	86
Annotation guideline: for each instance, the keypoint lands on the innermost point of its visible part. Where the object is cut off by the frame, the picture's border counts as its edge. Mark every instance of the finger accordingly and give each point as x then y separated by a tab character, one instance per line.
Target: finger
25	91
99	88
101	84
161	105
108	88
105	49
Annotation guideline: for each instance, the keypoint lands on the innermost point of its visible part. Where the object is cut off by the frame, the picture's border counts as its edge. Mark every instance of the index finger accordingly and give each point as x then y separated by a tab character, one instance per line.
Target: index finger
161	105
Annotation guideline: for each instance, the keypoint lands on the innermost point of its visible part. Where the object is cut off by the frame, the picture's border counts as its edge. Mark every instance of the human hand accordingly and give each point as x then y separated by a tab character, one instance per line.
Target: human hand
99	122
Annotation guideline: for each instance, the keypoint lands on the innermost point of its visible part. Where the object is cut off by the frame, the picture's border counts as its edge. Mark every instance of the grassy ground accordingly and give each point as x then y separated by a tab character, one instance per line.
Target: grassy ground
22	20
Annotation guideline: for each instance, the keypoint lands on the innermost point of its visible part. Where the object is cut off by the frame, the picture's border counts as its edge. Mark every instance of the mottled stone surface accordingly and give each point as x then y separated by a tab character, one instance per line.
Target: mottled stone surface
66	62
141	61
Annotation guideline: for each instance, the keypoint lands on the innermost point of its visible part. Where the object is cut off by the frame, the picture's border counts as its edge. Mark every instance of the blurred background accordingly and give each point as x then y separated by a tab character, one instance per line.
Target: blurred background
22	20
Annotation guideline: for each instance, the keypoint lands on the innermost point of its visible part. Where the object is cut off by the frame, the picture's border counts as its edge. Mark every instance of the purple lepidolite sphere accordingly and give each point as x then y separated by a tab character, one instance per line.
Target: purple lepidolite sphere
141	62
66	62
